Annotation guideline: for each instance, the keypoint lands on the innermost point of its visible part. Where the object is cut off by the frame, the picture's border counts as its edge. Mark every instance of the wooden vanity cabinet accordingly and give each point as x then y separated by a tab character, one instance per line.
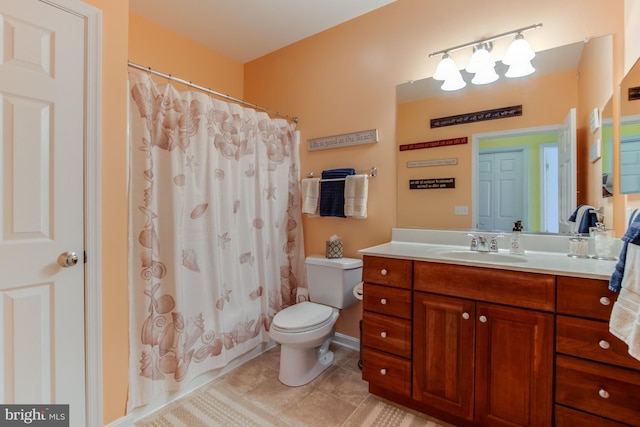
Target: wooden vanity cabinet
597	381
476	357
386	324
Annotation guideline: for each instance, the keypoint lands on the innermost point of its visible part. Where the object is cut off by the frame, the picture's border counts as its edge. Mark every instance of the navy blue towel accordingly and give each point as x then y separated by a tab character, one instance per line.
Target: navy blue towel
632	236
332	192
589	219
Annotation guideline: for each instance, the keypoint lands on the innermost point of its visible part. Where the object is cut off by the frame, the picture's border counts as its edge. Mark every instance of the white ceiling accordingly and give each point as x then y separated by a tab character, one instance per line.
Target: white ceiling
248	29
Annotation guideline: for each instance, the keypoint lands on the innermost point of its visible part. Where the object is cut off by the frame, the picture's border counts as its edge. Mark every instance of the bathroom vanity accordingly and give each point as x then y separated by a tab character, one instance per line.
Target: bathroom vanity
477	340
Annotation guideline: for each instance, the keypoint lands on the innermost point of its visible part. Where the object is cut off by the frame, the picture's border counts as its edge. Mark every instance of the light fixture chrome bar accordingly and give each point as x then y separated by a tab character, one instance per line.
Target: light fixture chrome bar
490	39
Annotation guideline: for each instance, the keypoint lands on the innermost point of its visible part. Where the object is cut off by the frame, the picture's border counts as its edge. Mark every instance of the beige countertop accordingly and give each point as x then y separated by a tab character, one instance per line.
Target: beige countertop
548	255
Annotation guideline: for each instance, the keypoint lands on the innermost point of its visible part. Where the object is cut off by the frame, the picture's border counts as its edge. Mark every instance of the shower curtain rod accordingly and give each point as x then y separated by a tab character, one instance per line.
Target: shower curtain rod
209	91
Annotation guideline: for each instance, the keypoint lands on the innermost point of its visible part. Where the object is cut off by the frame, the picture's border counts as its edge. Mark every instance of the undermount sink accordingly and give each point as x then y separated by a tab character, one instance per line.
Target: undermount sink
483	256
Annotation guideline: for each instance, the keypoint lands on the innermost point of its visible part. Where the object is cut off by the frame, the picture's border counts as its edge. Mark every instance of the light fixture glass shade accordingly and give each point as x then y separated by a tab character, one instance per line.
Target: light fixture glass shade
481	59
518	51
485	75
446	68
520	69
454	82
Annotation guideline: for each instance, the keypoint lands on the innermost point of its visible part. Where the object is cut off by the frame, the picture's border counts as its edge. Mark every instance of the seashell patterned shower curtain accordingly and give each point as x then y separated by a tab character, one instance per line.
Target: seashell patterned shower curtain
215	235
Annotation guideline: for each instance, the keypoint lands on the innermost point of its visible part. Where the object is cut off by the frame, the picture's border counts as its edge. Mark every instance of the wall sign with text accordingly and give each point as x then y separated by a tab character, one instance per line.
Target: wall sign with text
433	144
478	116
431	183
344	140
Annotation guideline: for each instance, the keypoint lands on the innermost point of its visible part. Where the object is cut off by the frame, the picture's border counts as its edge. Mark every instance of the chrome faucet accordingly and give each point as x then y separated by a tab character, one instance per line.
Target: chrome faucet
479	243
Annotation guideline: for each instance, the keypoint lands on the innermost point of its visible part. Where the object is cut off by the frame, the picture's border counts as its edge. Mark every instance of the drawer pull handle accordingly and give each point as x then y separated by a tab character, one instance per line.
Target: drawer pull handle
604	344
605	301
383	301
383	371
603	393
384	272
465	316
483	319
383	334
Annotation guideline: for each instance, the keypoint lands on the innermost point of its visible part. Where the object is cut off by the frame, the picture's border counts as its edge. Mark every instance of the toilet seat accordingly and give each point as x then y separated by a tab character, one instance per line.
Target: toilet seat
302	317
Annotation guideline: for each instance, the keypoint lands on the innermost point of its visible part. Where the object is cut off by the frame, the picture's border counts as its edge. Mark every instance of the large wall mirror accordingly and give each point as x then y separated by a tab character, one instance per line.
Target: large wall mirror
492	165
630	131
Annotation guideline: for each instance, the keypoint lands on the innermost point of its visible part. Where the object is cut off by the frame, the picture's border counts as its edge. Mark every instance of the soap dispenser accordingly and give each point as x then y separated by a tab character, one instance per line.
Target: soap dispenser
517	244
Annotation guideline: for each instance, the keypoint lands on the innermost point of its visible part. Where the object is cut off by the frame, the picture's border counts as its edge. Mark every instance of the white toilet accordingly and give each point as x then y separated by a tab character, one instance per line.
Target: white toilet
305	330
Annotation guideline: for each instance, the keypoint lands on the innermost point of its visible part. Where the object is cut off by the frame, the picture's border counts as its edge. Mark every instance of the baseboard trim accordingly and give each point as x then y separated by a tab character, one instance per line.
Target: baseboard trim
346	341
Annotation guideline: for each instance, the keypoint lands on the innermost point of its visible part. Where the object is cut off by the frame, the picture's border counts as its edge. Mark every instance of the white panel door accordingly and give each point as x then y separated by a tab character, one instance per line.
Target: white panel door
501	193
567	164
42	353
630	164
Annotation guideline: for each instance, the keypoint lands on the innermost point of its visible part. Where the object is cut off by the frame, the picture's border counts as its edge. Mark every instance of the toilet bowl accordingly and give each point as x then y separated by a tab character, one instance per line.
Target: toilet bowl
305	330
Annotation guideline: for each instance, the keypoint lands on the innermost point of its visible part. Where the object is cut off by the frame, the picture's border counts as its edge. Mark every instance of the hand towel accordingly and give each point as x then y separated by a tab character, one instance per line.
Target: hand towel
332	192
583	218
310	195
625	315
632	235
356	193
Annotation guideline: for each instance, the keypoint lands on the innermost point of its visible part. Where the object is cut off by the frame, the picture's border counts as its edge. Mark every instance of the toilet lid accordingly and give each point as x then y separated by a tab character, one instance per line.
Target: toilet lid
302	316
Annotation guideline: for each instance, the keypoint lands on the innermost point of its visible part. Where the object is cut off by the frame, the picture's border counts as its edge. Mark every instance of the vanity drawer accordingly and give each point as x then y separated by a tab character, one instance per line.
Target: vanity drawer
599	389
386	300
388	334
389	372
567	417
591	339
585	297
516	288
388	271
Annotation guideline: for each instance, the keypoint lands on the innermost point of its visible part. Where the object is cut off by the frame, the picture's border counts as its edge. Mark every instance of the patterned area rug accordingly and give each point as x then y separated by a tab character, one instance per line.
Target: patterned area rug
376	413
218	405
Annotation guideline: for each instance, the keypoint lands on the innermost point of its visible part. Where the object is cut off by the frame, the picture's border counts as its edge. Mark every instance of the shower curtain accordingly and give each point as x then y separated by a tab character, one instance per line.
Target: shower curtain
215	235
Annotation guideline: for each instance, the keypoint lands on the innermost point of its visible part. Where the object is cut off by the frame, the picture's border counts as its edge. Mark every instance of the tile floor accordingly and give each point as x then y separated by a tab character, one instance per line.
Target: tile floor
327	401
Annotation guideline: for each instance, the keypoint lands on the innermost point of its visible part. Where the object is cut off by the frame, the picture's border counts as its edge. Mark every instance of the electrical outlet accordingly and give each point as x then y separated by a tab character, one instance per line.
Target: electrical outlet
461	210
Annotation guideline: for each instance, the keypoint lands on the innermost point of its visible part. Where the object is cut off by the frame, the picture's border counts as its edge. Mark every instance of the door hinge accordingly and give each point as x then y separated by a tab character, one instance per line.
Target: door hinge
85	257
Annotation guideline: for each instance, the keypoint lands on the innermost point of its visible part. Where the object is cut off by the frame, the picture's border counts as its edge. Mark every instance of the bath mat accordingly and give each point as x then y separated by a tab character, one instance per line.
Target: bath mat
216	405
374	412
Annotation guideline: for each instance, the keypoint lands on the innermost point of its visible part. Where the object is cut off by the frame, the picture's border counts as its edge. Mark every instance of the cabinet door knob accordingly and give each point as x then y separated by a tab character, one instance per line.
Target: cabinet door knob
605	301
384	271
383	371
383	334
465	316
603	393
483	319
383	301
604	344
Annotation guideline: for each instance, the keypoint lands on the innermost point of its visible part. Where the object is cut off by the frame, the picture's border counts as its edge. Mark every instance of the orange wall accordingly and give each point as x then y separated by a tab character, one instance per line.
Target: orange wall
343	80
155	46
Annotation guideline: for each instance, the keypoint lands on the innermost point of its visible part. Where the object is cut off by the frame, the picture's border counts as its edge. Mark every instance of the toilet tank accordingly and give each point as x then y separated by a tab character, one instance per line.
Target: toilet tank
331	280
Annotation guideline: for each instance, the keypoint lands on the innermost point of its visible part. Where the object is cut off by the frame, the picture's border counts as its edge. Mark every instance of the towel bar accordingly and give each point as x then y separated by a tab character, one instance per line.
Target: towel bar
371	172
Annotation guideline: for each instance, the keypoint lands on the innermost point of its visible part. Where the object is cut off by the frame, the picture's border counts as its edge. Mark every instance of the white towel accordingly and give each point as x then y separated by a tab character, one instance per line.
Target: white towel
625	315
310	195
356	194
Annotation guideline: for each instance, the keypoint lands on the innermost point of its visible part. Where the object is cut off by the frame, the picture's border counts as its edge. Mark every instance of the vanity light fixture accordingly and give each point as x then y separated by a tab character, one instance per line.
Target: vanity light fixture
449	73
518	57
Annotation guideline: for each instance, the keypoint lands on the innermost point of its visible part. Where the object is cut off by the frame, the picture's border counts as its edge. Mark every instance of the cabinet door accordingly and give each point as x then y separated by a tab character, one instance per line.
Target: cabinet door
514	366
443	353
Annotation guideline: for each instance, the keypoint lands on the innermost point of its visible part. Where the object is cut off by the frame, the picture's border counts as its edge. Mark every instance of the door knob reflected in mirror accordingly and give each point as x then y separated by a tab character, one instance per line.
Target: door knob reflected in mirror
68	259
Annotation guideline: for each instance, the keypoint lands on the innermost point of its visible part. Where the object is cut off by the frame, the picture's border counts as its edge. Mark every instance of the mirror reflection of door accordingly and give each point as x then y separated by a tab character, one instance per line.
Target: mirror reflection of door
630	154
567	165
502	175
537	203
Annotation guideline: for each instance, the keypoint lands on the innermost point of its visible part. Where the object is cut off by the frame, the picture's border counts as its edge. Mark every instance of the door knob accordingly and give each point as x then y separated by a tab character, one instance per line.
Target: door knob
68	259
